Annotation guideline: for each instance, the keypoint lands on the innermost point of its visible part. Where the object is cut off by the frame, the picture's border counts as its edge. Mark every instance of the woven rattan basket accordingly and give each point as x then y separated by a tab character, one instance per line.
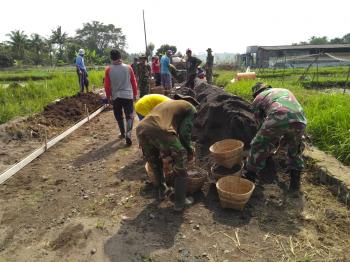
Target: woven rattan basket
227	152
234	191
195	184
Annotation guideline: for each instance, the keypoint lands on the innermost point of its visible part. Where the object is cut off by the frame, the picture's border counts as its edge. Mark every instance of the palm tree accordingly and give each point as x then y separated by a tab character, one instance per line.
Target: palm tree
37	45
59	38
18	42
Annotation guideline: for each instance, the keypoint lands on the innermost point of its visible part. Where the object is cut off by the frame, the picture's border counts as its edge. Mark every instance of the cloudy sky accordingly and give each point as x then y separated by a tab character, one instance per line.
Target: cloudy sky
225	26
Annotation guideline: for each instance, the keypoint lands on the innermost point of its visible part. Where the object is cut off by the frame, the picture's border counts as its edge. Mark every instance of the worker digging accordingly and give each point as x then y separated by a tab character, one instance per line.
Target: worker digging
166	131
279	116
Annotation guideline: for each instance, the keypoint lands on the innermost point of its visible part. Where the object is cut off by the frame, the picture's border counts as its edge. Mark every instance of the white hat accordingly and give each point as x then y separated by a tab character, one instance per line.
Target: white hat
81	52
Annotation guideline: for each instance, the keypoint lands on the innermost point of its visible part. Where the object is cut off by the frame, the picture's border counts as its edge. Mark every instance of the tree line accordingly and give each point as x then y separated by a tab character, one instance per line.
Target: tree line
322	40
59	48
96	38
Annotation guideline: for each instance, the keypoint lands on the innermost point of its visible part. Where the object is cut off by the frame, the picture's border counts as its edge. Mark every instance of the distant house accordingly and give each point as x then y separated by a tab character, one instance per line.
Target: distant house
296	55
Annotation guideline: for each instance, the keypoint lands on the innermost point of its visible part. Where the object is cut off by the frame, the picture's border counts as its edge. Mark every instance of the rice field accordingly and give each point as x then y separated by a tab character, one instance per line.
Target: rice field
27	92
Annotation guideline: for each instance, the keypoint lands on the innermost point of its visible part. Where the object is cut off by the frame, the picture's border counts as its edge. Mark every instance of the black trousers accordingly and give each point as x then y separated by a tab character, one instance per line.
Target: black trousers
157	78
190	81
121	105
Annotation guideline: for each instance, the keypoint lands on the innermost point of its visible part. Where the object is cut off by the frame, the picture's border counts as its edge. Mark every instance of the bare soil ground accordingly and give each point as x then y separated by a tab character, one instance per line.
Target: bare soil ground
87	199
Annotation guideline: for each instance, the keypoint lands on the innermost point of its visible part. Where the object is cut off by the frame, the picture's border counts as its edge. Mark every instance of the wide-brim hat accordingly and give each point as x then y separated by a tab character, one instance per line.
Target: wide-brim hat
209	50
189	99
142	56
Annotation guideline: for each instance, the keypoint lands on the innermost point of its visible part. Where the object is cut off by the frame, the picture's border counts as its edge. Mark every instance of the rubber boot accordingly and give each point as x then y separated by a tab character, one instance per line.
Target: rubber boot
162	187
180	193
129	124
294	185
121	128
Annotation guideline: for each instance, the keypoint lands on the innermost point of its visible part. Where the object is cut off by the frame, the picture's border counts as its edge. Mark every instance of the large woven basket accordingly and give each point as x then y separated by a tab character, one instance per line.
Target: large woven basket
234	191
195	184
227	152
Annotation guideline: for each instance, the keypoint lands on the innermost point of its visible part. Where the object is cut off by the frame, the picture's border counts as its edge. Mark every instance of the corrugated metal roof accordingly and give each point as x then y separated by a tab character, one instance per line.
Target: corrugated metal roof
293	47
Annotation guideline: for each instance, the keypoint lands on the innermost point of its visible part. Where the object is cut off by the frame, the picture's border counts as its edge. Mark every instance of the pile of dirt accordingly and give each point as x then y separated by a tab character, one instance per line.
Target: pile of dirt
54	117
221	116
70	109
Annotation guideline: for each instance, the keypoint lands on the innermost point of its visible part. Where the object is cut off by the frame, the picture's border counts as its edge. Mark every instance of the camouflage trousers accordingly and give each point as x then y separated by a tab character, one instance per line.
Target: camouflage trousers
143	87
209	75
266	140
155	149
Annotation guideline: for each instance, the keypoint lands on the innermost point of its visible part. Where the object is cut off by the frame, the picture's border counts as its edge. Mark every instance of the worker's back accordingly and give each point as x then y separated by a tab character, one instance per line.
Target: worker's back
165	117
276	102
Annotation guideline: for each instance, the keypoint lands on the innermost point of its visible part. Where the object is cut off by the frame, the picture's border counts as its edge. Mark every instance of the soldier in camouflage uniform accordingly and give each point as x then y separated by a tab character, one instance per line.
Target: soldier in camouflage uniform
209	66
191	68
143	75
278	114
166	132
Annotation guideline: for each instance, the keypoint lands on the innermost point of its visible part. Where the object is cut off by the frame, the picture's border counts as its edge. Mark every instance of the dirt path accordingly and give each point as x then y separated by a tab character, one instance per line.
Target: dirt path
86	200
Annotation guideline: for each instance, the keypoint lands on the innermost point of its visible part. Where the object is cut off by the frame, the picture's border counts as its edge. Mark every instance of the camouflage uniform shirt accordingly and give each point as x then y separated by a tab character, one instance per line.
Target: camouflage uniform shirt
277	106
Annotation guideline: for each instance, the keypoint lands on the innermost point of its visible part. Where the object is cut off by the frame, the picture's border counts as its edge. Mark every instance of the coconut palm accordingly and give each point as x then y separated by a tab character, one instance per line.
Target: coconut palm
58	37
38	47
18	42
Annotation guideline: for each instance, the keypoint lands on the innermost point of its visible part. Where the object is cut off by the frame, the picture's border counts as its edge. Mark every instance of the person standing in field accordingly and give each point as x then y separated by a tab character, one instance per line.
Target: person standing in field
121	90
191	68
209	66
278	114
144	73
156	70
82	72
165	72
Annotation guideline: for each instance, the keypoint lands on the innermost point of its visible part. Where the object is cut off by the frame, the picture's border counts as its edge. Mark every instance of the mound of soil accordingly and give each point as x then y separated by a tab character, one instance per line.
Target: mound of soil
54	117
221	116
70	109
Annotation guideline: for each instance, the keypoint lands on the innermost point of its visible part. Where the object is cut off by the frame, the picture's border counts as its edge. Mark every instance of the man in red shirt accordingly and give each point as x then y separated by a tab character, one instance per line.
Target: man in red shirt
156	69
121	90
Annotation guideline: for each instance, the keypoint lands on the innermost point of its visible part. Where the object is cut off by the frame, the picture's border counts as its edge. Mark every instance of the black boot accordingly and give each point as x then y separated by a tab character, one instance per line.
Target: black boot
180	193
294	180
157	167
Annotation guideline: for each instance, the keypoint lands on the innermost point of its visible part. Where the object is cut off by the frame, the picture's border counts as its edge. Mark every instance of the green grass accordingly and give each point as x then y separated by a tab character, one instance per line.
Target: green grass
31	98
328	114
